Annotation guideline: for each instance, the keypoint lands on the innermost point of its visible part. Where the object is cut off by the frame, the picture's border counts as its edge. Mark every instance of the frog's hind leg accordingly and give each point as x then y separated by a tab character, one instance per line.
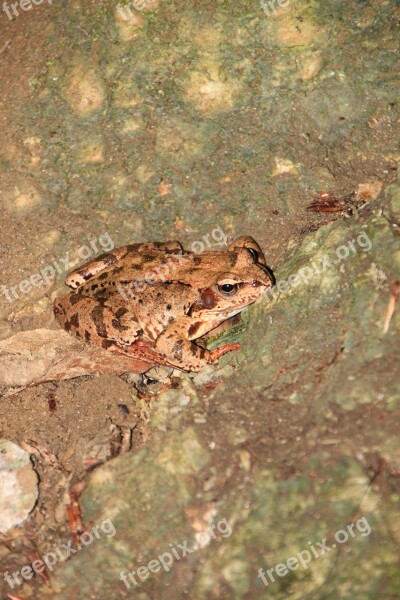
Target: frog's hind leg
91	269
91	320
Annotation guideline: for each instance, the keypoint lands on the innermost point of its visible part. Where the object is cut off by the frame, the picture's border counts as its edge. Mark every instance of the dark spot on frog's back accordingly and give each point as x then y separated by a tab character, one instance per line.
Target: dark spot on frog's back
233	258
106	344
118	326
196	260
97	317
133	247
121	312
107	259
59	310
74	298
193	329
74	320
100	295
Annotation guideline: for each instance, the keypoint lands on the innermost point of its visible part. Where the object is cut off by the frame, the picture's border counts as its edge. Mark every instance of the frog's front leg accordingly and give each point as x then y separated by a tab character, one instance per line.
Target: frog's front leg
173	344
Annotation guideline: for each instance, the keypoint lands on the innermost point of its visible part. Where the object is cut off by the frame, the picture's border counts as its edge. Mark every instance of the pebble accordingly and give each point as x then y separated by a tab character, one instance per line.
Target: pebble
84	91
18	485
369	191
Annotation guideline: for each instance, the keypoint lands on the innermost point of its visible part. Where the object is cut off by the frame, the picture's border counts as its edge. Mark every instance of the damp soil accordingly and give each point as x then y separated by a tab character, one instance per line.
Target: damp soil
72	427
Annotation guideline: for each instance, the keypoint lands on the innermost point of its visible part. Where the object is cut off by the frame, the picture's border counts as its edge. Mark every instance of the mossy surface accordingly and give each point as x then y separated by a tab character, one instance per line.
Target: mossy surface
213	114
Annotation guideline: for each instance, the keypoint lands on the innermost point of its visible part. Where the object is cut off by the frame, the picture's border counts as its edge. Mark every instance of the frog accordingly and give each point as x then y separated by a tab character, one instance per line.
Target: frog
153	300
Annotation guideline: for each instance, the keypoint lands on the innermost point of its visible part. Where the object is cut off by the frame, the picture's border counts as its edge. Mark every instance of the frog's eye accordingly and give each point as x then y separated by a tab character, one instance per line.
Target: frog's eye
253	253
228	289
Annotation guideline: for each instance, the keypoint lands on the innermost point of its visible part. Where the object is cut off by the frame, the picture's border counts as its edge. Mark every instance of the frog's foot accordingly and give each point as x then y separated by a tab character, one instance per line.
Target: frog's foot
158	374
151	390
185	354
156	380
141	350
218	352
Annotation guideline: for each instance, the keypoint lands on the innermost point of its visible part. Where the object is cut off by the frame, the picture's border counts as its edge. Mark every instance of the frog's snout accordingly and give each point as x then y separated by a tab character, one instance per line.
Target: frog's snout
271	276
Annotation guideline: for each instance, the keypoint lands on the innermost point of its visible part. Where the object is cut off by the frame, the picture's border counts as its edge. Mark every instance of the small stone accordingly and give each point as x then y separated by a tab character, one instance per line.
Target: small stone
144	173
177	137
235	573
18	484
131	125
209	91
283	166
369	191
84	90
291	33
23	198
92	152
127	94
310	66
150	5
245	460
51	238
35	147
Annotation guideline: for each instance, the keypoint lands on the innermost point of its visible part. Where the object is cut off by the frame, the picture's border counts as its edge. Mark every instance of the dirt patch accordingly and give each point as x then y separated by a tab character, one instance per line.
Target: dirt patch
204	117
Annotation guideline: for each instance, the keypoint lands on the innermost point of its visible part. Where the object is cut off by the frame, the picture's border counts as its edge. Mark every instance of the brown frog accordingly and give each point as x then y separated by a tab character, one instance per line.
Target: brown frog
152	301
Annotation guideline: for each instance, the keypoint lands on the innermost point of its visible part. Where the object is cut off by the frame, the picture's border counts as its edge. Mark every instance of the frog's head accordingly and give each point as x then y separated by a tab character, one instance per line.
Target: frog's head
242	279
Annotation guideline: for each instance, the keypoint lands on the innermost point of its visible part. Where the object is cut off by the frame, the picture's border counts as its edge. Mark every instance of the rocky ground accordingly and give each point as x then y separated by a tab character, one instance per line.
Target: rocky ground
186	119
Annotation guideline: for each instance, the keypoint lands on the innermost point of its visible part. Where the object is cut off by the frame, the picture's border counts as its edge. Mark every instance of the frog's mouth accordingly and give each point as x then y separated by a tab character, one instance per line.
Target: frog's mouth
232	313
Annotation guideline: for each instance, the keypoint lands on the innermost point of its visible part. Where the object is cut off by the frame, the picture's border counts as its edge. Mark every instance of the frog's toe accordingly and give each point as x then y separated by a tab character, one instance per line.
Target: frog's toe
218	352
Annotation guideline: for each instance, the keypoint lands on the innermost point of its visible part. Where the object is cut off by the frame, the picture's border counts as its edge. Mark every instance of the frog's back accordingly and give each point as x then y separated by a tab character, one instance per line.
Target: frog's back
137	270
